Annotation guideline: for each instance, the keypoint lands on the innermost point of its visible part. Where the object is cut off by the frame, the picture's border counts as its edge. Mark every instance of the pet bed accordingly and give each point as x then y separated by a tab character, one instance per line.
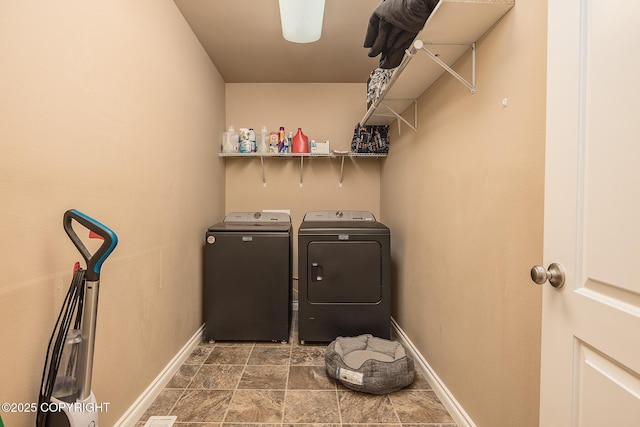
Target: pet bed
369	364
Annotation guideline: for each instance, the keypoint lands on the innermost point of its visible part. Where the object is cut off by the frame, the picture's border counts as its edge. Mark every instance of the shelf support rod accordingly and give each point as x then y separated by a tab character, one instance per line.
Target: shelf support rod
471	86
341	170
301	167
473	66
264	179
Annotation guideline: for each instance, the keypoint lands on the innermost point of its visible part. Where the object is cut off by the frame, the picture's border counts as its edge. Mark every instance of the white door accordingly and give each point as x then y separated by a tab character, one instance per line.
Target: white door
591	325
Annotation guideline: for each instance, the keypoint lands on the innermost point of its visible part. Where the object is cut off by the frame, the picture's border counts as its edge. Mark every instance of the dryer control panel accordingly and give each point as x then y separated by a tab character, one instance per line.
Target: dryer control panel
339	216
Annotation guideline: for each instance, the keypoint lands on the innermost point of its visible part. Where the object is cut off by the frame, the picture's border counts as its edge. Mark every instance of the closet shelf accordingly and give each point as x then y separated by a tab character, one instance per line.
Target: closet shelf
301	157
452	29
331	155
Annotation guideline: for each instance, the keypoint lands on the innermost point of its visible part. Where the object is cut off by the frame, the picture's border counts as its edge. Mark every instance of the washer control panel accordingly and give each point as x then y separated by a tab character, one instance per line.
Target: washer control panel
257	218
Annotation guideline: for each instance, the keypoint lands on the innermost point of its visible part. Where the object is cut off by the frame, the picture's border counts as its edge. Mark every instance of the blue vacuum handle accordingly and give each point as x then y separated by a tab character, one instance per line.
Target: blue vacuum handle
94	262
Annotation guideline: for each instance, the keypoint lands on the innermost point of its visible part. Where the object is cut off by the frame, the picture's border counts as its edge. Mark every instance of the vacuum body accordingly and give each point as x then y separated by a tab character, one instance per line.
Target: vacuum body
66	399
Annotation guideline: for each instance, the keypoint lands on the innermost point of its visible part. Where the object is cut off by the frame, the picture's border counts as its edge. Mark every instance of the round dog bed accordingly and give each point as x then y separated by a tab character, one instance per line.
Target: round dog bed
369	364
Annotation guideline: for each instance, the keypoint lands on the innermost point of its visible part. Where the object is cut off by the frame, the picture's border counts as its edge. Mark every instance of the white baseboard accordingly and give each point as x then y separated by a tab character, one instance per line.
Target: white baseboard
142	403
456	411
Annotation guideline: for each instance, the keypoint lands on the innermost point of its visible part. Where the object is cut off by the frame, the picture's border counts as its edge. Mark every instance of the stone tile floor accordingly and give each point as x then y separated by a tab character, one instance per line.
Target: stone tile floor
241	384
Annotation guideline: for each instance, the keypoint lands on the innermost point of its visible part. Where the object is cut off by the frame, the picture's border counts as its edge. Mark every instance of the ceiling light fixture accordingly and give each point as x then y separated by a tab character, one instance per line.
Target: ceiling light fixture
301	20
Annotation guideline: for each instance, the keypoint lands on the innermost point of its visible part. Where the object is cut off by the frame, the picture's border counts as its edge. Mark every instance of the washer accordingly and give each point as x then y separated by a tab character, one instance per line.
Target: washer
344	276
247	277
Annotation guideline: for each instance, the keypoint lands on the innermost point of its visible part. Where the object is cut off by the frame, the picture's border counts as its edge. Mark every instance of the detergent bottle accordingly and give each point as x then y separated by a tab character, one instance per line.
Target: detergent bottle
300	143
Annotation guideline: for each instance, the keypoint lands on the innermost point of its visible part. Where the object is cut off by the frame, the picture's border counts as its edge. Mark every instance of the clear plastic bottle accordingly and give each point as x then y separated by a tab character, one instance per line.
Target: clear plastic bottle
230	141
262	140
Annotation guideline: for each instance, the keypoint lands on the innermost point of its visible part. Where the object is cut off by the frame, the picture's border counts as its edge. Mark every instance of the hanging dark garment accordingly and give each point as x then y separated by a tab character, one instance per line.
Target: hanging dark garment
393	26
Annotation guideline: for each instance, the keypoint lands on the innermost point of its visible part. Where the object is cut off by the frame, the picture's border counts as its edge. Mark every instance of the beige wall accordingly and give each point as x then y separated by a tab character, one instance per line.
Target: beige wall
110	107
323	112
463	197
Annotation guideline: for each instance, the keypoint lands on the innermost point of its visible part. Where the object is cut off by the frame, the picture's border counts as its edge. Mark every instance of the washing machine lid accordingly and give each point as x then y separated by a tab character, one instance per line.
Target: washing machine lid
254	221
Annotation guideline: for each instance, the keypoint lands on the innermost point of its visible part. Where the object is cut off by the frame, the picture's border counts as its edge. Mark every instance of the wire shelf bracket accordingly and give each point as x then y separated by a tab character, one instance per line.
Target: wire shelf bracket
398	117
419	45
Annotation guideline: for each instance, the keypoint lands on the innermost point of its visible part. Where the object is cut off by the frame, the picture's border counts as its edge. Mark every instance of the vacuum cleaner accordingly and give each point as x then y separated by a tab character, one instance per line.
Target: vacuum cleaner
66	399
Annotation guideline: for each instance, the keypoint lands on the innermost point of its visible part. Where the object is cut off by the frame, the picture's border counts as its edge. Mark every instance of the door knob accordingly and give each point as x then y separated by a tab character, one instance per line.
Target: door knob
554	274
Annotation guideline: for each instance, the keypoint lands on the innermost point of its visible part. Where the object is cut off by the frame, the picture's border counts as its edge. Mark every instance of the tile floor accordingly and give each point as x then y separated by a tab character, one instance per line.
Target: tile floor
244	384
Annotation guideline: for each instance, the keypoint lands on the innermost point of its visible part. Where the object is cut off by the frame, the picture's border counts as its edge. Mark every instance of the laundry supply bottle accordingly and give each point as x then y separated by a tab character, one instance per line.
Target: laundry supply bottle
273	142
246	144
262	140
300	143
289	141
230	141
252	138
281	140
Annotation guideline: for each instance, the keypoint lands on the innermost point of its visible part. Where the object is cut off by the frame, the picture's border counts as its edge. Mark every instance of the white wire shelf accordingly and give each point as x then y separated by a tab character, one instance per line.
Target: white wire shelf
331	155
452	29
301	156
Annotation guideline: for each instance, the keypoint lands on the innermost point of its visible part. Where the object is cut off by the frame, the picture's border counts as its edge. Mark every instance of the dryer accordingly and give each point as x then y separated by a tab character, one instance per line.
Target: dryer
344	271
248	277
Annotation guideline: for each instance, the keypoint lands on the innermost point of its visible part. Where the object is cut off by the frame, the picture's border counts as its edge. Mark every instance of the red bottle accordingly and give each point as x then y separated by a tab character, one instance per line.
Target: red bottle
300	143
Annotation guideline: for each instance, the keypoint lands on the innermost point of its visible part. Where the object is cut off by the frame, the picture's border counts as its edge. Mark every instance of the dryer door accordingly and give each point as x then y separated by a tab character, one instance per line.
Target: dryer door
344	272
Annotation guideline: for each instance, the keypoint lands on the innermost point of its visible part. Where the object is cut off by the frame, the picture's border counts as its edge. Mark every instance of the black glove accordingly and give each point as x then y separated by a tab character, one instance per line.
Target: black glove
393	26
386	39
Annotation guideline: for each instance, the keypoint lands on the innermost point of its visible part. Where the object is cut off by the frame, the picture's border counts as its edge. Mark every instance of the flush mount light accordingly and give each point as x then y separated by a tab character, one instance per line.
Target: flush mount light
301	20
